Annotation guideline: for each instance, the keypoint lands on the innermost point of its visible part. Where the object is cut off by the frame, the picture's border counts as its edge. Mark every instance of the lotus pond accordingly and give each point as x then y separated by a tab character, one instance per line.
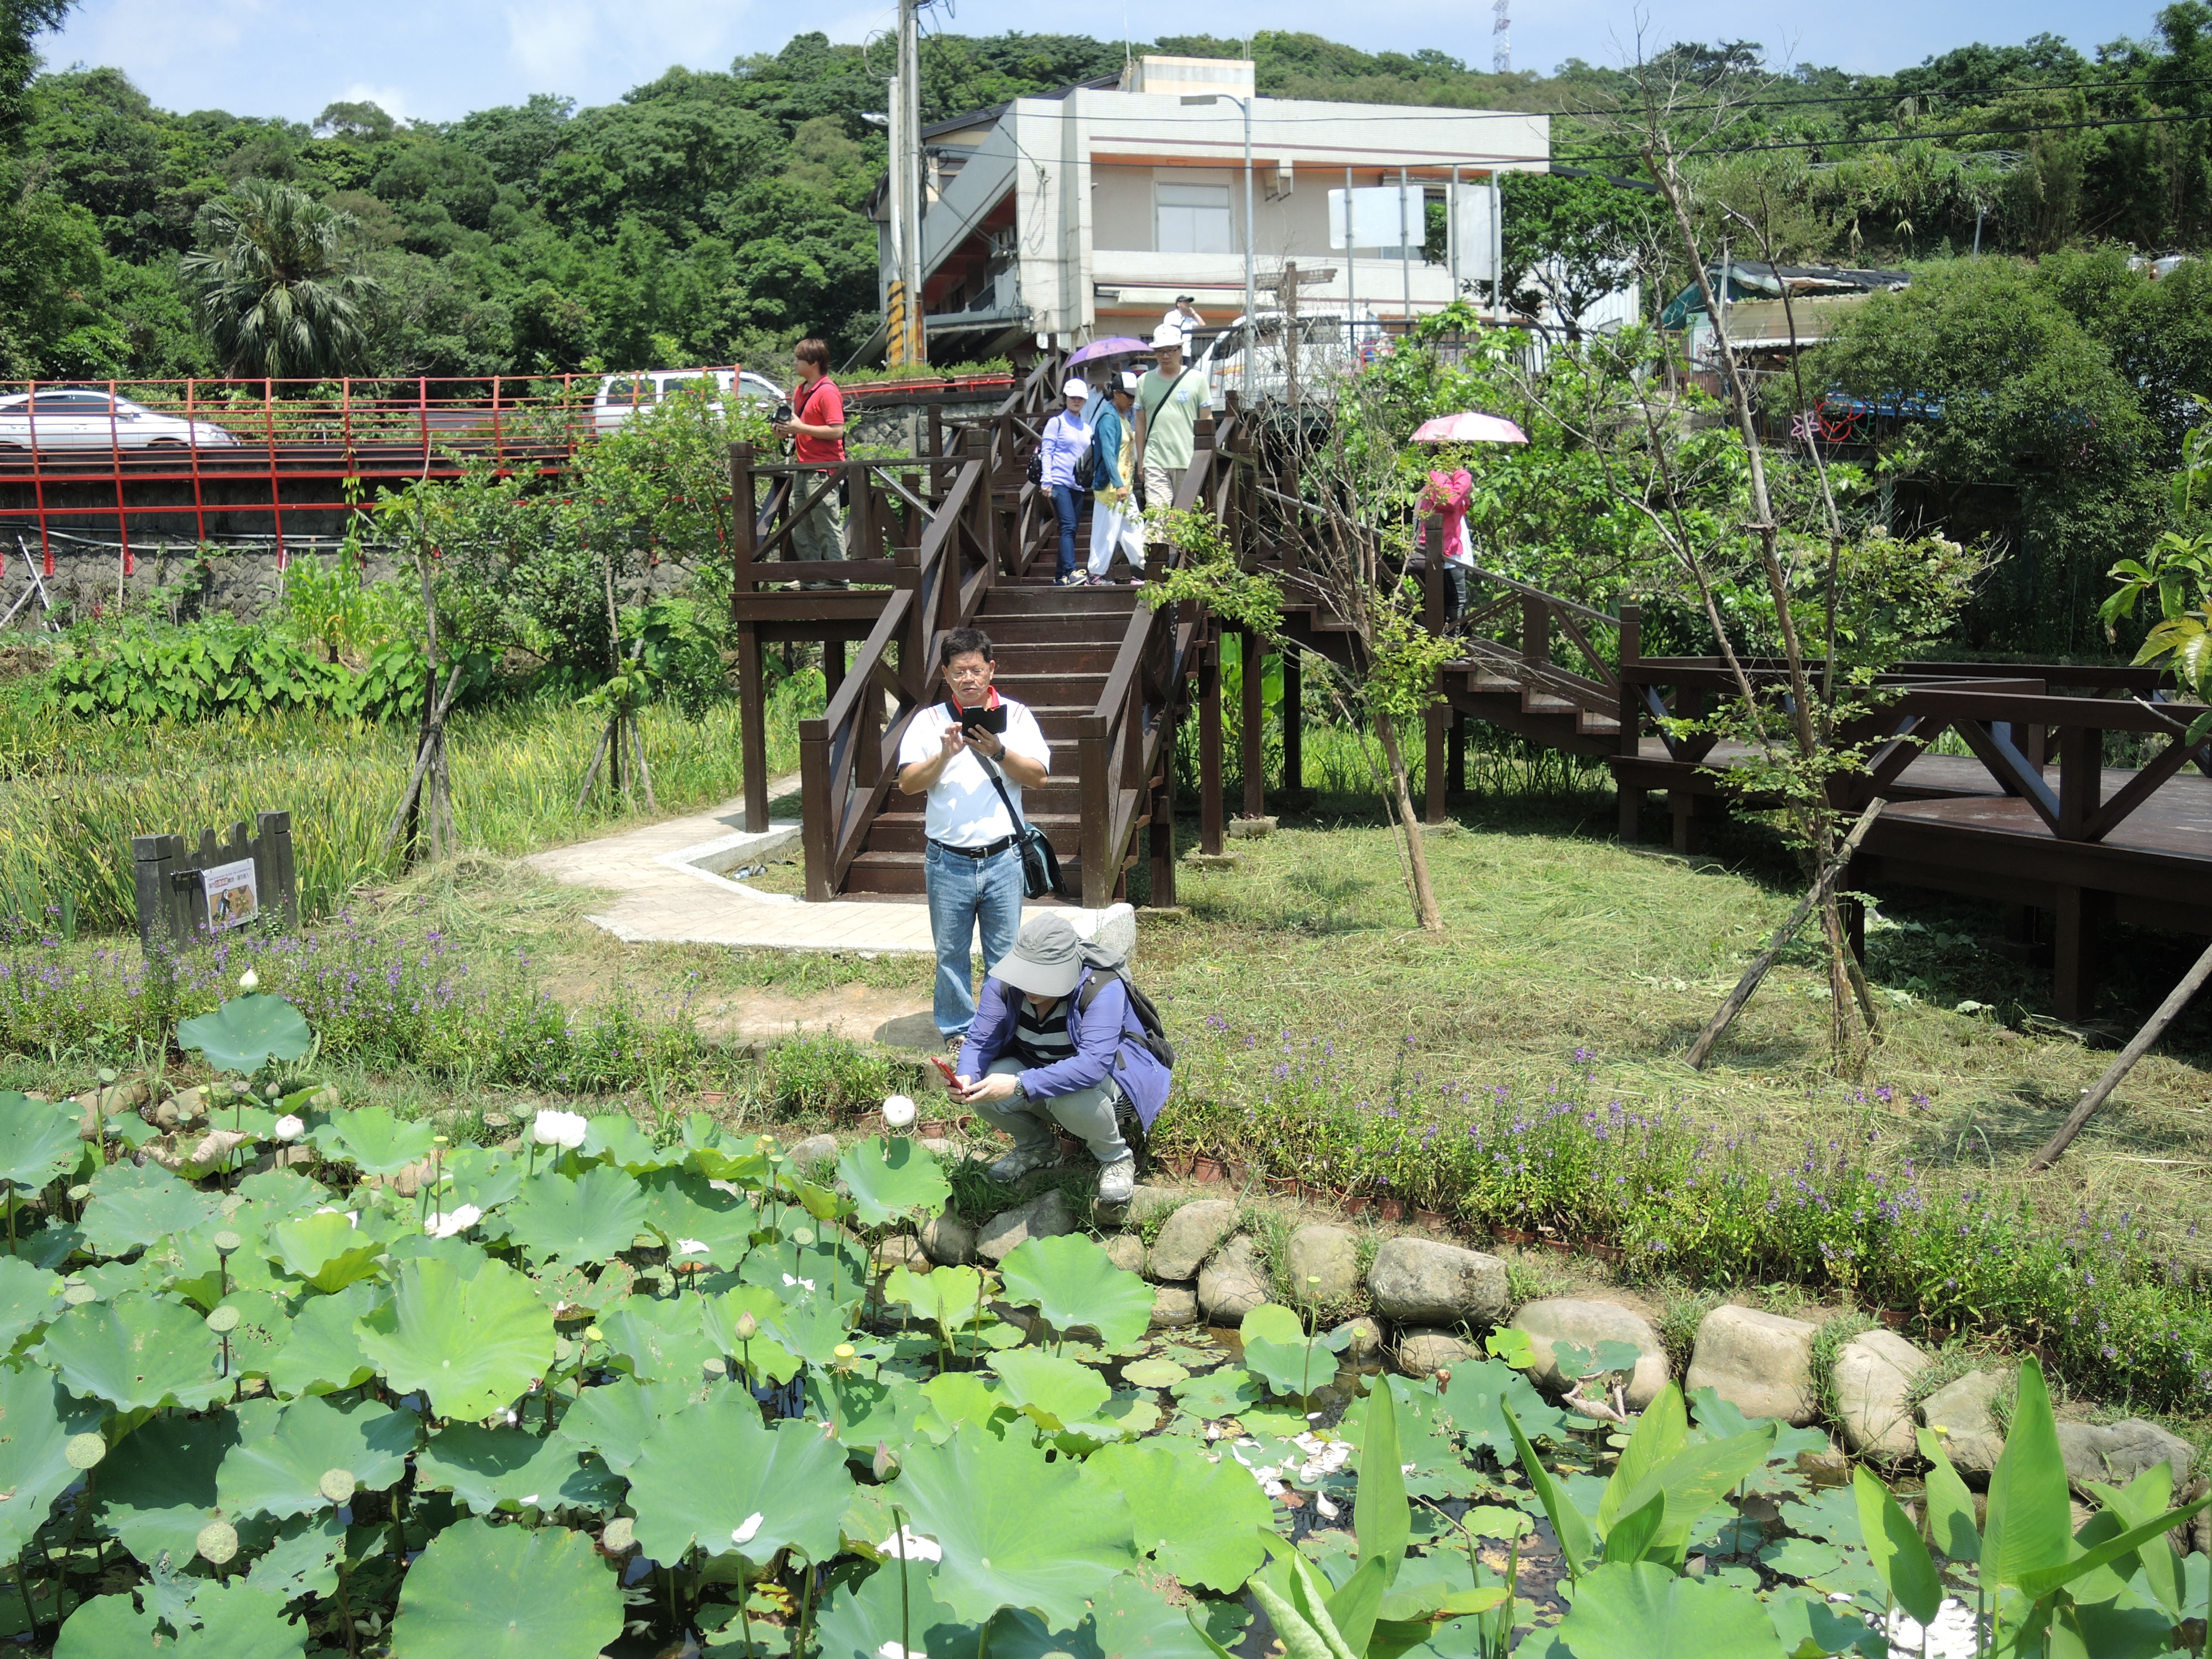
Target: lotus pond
612	1391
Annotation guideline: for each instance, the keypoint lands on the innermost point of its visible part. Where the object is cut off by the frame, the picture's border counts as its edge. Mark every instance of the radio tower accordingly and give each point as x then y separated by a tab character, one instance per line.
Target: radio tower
1501	38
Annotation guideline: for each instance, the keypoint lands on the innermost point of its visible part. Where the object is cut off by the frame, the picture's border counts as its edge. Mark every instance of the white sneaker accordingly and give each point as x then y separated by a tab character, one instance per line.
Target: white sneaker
1117	1181
1017	1164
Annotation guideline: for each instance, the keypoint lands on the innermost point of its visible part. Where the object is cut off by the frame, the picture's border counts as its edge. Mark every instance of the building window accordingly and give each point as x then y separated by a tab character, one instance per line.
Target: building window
1192	219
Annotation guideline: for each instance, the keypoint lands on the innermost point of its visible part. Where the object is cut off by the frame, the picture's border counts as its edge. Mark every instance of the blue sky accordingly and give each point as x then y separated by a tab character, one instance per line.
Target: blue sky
438	59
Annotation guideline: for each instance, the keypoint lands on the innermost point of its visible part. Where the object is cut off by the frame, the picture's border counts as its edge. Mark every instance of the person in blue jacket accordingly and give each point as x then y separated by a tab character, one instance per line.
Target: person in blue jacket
1055	1040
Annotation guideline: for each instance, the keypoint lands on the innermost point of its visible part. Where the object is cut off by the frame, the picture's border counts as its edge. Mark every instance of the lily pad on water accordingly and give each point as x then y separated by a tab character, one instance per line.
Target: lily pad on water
1198	1519
590	1217
1130	1620
493	1469
37	1421
1056	1393
1071	1281
137	1354
715	1475
26	1299
485	1592
657	1339
246	1033
617	1138
284	1452
1153	1373
235	1622
1800	1558
680	1204
1219	1394
1015	1530
892	1179
472	1345
38	1140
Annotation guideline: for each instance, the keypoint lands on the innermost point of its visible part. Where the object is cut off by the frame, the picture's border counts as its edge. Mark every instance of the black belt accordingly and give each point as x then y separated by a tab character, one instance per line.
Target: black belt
977	853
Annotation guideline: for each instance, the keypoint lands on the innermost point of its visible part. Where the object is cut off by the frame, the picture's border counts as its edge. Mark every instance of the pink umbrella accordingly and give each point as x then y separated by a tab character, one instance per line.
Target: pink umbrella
1469	428
1119	345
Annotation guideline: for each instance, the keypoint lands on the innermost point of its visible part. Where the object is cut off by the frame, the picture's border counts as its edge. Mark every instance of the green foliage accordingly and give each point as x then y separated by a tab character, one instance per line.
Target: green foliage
508	1592
246	1033
1570	241
273	285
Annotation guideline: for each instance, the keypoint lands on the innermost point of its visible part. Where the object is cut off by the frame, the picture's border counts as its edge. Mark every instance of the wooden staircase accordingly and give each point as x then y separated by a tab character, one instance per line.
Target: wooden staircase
1054	648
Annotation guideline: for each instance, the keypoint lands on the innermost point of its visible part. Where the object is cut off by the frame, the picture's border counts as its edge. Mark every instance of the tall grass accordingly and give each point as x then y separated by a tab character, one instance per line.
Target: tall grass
66	825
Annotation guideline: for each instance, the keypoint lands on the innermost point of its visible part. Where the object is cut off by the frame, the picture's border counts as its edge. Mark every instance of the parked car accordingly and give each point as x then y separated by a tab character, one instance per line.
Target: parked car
1331	346
69	417
621	396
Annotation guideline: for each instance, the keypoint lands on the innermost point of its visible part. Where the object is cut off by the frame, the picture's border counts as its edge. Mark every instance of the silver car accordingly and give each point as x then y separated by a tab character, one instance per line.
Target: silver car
67	417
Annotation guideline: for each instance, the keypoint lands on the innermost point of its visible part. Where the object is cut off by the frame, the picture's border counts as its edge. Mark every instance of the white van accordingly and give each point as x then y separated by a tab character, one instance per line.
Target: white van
621	396
1331	346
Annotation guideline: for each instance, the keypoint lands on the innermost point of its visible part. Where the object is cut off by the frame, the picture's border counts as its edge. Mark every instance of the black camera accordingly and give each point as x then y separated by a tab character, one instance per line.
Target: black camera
782	416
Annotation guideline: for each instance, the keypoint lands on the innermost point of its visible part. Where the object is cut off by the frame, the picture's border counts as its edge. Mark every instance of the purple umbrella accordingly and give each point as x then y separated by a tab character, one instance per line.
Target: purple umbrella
1118	346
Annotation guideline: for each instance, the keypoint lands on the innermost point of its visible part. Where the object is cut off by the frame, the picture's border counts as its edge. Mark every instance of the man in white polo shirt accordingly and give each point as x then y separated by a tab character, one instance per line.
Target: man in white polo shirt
973	866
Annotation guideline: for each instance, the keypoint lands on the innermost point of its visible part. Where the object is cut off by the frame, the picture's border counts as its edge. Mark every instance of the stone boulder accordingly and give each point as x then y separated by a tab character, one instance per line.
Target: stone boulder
1047	1215
1424	1349
1873	1383
1126	1252
1324	1263
1231	1284
1366	1339
1146	1202
2116	1453
902	1250
948	1241
812	1153
1586	1324
1189	1236
1418	1281
1759	1363
1973	1441
1174	1305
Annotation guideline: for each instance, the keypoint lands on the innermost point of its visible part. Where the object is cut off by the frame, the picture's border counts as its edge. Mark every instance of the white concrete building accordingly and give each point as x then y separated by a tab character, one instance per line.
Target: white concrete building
1085	214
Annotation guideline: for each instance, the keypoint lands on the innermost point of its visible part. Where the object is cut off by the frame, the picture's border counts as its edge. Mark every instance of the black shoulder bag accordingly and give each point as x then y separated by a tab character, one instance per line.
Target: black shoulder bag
1040	863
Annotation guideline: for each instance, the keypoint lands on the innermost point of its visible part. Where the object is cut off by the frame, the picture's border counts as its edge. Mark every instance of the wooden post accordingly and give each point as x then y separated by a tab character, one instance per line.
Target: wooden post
1209	742
752	726
744	525
1434	717
1161	833
273	837
832	666
1252	654
1629	712
2081	778
1456	757
1294	725
817	798
1097	808
2138	1046
2073	959
153	859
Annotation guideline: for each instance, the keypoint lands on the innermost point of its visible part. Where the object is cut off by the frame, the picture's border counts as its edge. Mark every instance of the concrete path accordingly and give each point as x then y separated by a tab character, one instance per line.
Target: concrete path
670	887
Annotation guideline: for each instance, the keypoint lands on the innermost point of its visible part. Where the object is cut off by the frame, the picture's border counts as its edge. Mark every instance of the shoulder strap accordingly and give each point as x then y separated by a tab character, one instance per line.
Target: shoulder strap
1153	409
1021	827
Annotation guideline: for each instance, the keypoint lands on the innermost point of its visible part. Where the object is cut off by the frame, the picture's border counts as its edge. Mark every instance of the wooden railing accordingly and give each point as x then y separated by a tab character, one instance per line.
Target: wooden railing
946	552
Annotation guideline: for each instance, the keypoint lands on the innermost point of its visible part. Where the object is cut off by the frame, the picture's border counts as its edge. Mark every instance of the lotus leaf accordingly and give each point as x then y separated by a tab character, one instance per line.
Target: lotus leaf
303	1559
1807	1625
323	1352
957	1397
137	1354
680	1204
1641	1611
828	1271
130	1207
482	1176
235	1623
1153	1373
158	1487
37	1420
283	1452
715	1475
471	1346
590	1217
768	1359
27	1299
1071	1281
1833	1516
246	1033
1130	1620
1057	1392
375	1142
576	1292
327	1250
863	1622
1716	1420
485	1592
1800	1558
1219	1394
283	1193
1015	1530
658	1339
1299	1366
1477	1391
489	1469
812	1327
1424	1434
38	1140
892	1179
616	1139
1198	1519
617	1420
947	1297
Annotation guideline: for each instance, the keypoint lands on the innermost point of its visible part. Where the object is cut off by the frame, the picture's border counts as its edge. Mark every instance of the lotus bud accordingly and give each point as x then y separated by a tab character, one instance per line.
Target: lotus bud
275	1092
290	1128
898	1111
886	1464
747	1327
249	982
1443	1377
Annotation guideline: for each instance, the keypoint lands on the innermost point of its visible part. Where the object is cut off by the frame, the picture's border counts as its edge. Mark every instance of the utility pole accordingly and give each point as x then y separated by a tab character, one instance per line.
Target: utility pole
906	187
1501	38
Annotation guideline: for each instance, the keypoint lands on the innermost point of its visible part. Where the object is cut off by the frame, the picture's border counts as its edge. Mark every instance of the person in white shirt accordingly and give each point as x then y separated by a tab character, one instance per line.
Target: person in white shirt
1183	316
973	865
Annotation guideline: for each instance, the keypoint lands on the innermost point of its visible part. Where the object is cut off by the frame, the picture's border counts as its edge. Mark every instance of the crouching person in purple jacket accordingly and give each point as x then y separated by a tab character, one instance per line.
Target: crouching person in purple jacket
1055	1040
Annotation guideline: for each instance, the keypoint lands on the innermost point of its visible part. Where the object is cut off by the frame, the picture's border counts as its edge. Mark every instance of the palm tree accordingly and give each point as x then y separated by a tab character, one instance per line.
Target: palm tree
274	285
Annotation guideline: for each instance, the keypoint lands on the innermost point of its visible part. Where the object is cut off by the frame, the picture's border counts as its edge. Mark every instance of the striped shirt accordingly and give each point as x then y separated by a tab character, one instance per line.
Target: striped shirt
1040	1039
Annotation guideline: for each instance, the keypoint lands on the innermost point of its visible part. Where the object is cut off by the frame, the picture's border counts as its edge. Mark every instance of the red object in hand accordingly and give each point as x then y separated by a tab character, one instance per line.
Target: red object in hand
951	1077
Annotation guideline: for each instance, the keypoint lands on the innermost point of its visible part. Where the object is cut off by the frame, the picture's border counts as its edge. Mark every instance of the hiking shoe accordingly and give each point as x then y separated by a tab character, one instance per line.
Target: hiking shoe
1017	1164
1117	1181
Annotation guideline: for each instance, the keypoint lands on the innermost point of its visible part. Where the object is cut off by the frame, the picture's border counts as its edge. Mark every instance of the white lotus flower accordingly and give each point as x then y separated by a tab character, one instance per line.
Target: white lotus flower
453	1221
893	1650
788	1280
907	1545
563	1129
743	1534
249	981
898	1111
352	1217
290	1128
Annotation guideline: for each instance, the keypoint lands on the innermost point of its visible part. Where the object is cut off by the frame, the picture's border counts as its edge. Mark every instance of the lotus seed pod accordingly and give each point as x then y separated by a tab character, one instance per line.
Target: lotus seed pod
79	1193
802	1235
592	1334
222	1321
226	1241
620	1534
106	1075
249	982
747	1327
843	1351
77	1295
336	1486
217	1542
84	1451
714	1365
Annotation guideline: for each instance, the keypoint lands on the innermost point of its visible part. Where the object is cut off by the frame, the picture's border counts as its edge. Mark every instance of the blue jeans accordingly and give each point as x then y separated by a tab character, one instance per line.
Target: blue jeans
1066	507
963	892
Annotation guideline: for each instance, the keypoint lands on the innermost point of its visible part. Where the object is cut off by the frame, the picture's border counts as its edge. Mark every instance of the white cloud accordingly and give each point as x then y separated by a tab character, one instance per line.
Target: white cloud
552	42
394	101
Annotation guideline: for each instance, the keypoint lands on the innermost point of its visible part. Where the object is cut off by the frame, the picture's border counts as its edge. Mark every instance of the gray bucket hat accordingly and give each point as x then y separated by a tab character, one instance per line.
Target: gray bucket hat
1046	960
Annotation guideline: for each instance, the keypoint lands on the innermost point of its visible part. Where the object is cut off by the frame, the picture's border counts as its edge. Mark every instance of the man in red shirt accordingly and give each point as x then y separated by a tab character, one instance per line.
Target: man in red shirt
817	429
